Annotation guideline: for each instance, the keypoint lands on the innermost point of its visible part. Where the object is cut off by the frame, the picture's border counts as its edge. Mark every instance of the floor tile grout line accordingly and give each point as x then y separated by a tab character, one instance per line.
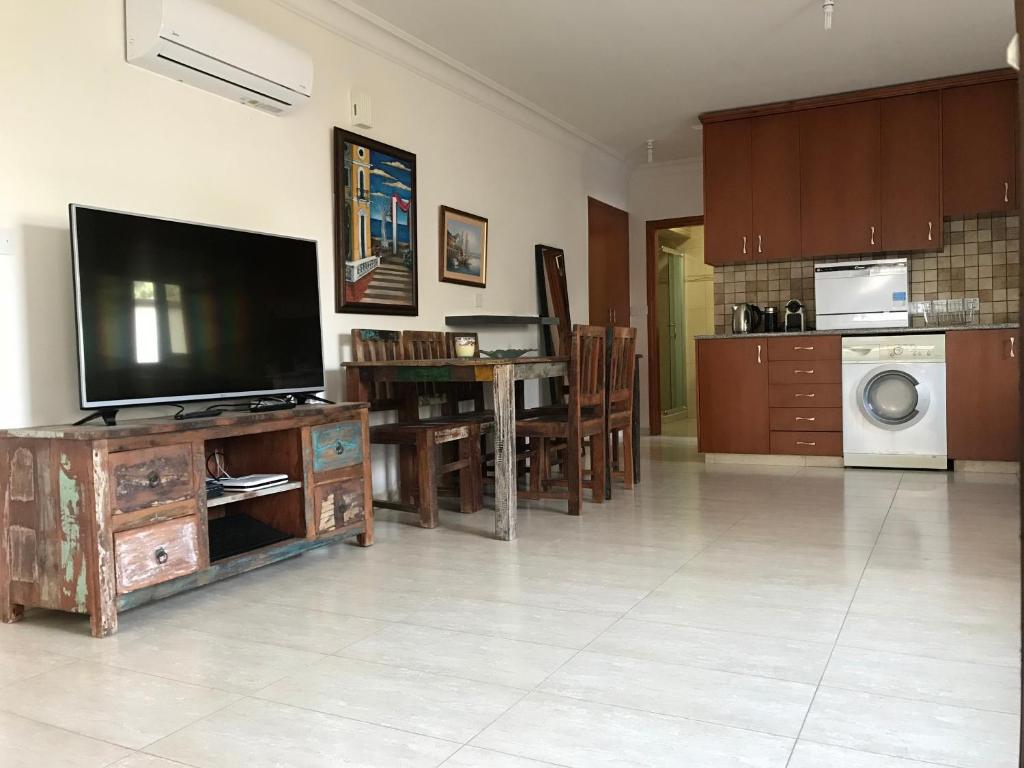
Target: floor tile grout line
835	644
879	754
66	730
506	754
952	705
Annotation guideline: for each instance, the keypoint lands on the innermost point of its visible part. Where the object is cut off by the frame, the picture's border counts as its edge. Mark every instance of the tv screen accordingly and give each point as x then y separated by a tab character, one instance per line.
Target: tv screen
170	312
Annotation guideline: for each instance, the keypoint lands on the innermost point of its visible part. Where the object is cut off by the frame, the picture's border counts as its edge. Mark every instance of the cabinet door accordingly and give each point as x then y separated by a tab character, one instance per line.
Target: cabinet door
982	401
979	148
775	187
727	195
840	160
608	276
911	172
732	395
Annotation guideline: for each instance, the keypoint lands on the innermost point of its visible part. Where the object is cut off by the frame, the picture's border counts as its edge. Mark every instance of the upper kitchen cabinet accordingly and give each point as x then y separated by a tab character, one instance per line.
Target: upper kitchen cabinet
978	148
911	172
775	187
727	193
840	179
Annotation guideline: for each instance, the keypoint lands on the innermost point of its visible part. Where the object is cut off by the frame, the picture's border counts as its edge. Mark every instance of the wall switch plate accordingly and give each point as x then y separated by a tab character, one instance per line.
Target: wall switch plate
6	242
478	300
362	110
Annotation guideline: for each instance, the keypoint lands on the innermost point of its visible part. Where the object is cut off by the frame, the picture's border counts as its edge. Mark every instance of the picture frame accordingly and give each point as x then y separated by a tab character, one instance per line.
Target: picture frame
376	254
462	248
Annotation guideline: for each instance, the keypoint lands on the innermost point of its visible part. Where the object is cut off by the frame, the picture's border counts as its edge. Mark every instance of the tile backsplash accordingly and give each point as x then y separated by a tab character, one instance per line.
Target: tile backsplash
980	259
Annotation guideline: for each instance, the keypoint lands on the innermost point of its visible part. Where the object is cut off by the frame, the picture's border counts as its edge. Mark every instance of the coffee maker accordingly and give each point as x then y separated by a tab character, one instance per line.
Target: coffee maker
794	320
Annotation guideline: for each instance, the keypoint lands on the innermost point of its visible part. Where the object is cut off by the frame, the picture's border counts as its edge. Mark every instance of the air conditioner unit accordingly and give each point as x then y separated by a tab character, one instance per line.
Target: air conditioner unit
200	44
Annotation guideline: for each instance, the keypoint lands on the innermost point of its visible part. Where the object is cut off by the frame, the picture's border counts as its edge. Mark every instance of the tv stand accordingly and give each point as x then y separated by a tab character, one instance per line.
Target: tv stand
101	519
109	416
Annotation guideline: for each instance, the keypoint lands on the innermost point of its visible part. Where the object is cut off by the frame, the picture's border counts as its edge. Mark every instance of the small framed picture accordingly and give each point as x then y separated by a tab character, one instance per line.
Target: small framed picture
463	248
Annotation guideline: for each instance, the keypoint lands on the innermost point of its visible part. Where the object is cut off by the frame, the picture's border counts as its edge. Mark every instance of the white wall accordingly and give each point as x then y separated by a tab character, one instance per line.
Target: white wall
81	125
656	191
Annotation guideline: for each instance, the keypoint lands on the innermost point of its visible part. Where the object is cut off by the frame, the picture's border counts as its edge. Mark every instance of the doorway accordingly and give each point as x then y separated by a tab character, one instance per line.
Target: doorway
680	294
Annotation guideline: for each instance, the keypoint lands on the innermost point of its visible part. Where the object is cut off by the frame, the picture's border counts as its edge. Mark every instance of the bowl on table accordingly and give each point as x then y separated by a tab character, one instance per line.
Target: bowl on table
506	354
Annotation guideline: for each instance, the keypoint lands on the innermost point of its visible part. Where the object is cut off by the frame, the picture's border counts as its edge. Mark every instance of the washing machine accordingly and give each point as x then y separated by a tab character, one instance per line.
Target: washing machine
894	401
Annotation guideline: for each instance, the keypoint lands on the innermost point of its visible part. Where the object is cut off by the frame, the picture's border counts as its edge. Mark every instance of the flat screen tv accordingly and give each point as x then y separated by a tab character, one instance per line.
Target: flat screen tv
170	312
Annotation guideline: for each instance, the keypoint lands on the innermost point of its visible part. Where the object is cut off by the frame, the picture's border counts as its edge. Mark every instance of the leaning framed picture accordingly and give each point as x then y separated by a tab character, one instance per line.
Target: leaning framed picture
462	251
375	251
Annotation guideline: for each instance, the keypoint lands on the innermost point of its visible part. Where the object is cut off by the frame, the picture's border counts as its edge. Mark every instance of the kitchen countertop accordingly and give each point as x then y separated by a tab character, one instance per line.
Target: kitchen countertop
867	331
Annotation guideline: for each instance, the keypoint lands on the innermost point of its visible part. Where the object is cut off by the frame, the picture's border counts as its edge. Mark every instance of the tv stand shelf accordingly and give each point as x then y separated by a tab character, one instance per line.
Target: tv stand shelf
99	519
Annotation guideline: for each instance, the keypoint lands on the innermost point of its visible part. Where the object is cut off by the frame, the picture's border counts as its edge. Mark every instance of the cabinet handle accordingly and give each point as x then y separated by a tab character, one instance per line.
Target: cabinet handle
759	248
1012	340
929	231
339	447
801	442
153	478
872	235
758	354
806	418
160	555
803	349
804	394
1006	191
744	244
807	372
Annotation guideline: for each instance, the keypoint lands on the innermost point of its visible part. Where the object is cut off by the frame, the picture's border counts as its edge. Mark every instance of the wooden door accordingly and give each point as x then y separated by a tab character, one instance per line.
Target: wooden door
609	264
979	157
982	398
840	159
912	172
775	187
732	396
727	193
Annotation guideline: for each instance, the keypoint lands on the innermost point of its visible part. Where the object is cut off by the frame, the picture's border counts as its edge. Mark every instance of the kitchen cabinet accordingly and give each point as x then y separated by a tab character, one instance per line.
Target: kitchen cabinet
775	187
979	156
608	273
732	396
840	179
982	400
911	172
727	193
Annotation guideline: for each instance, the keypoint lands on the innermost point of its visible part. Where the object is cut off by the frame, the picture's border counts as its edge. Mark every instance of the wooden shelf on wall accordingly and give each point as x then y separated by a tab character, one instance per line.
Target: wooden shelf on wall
462	321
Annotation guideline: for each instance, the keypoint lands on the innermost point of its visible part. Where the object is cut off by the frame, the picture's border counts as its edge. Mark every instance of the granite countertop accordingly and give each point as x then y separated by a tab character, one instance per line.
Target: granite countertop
868	331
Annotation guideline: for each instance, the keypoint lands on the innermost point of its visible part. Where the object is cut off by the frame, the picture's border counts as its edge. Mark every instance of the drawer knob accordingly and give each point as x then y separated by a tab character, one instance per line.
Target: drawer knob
339	447
160	555
153	478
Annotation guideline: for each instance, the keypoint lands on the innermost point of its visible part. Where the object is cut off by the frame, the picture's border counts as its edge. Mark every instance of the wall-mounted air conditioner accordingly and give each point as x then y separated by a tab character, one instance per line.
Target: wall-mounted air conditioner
200	44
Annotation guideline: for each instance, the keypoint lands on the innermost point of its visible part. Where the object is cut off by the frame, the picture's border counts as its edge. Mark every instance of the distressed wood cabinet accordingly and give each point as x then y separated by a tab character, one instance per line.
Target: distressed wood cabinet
98	520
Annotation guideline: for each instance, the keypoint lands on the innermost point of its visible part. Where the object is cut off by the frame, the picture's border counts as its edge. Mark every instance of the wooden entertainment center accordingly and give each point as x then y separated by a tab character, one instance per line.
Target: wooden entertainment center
101	519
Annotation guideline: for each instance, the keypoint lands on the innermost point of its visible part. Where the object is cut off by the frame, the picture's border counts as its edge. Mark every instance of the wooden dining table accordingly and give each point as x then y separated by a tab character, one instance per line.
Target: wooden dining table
501	373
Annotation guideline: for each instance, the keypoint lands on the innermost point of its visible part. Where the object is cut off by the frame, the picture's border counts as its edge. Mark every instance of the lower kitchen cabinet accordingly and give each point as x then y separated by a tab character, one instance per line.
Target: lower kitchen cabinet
732	396
982	395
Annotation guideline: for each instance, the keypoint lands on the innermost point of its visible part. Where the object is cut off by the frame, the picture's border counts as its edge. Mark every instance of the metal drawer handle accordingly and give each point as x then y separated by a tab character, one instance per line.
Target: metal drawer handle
929	231
1011	347
799	371
804	394
872	235
1006	191
806	418
339	447
759	241
153	478
758	354
744	244
801	442
804	349
160	555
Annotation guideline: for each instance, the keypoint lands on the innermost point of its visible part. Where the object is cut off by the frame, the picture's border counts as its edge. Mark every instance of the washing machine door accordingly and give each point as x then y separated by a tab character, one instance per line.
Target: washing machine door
892	398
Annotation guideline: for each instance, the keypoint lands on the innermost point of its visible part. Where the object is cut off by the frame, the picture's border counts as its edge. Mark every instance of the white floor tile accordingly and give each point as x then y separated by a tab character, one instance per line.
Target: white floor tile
27	744
810	755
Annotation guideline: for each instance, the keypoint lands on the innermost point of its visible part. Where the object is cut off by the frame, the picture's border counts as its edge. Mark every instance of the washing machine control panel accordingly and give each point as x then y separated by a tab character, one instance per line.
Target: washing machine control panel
910	348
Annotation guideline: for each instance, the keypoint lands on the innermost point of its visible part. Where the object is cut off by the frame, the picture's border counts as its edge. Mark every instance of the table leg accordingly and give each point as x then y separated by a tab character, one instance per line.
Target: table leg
635	425
505	502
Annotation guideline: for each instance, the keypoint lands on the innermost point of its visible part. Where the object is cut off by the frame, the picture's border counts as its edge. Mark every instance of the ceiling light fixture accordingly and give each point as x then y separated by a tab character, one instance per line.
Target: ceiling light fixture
650	150
827	6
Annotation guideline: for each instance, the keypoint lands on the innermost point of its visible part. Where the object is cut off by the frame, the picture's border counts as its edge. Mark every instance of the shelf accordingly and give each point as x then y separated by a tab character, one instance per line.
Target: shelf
471	320
230	497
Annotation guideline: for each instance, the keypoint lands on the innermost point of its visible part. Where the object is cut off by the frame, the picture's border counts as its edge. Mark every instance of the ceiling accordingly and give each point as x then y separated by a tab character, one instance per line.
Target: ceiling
626	71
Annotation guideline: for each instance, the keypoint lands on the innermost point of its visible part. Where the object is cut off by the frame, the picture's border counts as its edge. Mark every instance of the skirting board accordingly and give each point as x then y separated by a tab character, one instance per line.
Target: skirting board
991	467
772	460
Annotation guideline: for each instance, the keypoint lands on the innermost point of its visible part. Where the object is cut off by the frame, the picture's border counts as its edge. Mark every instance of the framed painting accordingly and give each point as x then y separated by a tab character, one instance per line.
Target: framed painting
462	251
375	251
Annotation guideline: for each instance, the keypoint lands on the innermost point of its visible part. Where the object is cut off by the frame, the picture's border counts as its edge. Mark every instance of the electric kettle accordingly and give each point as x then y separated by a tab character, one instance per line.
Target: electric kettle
746	318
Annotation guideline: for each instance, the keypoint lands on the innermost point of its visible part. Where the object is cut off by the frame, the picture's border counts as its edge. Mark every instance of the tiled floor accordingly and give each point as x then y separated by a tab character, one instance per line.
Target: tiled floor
719	616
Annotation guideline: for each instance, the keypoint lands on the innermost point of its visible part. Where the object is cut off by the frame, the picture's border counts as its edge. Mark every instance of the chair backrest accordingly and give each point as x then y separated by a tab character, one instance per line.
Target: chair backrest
465	391
587	367
426	345
370	344
621	368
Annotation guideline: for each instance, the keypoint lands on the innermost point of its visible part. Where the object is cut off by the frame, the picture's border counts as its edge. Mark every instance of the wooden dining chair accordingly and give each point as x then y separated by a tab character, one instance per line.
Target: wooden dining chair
419	439
582	422
621	367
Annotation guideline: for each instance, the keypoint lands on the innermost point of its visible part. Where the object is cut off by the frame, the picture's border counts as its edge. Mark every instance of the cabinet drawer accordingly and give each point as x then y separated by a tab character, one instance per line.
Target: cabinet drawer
337	445
807	419
805	395
151	476
807	443
805	372
804	348
338	505
157	553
